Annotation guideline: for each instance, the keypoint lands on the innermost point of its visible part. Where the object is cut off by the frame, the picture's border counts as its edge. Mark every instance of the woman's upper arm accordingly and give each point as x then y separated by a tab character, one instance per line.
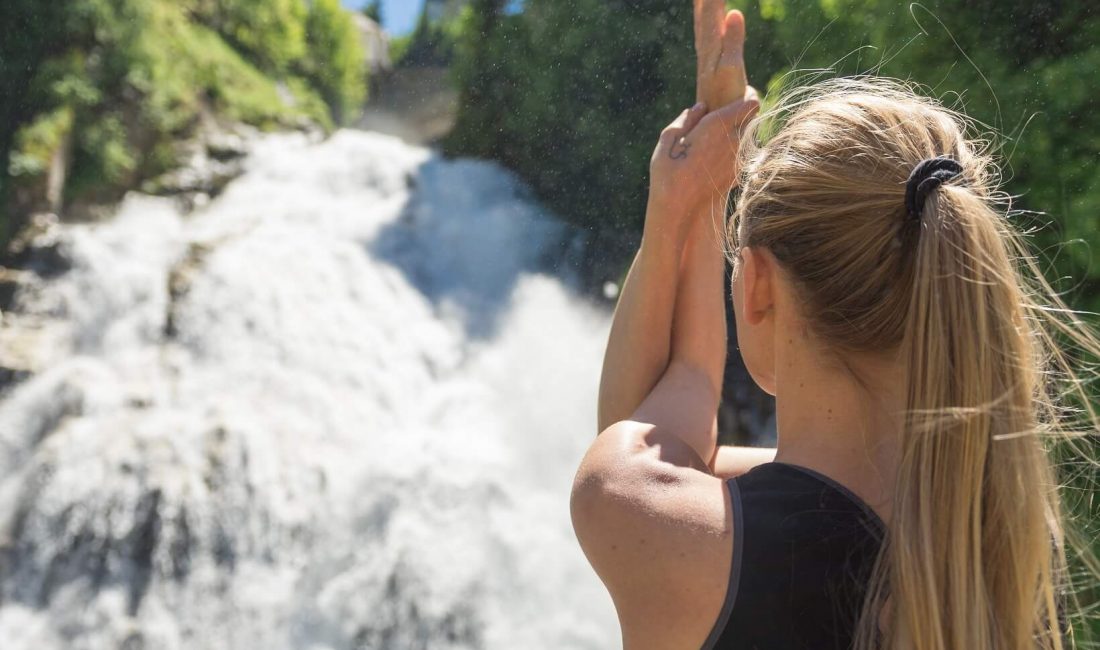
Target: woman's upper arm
657	528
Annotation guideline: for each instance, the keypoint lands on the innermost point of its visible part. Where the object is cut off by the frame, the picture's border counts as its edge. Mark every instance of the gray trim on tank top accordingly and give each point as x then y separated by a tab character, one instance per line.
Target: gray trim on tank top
735	565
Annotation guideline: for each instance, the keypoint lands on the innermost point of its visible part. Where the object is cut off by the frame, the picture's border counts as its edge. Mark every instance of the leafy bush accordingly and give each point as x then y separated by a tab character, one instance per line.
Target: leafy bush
335	61
271	33
120	81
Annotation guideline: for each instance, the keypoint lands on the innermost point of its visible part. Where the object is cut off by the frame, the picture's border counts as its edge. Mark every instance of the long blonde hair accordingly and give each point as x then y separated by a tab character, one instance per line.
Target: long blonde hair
974	556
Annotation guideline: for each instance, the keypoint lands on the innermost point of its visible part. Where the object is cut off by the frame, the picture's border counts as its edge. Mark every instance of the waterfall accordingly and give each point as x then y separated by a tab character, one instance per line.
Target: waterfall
339	406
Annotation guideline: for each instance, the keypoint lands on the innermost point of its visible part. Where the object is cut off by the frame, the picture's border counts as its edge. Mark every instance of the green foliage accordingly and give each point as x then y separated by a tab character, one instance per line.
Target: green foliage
373	10
271	33
119	81
238	90
430	44
399	47
574	105
36	144
31	29
336	64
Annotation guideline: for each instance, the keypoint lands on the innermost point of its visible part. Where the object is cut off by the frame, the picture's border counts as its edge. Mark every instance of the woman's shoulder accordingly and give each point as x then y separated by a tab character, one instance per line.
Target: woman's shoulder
657	531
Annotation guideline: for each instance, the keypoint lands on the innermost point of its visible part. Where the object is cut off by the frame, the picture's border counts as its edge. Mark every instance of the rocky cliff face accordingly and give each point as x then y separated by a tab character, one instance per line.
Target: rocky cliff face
376	44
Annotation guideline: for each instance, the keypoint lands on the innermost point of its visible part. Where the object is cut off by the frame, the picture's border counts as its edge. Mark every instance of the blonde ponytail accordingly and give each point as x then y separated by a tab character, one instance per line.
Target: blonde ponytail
975	499
974	554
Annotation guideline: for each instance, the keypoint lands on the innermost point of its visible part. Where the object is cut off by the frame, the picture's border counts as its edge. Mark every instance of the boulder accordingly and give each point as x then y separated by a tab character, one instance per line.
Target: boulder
376	43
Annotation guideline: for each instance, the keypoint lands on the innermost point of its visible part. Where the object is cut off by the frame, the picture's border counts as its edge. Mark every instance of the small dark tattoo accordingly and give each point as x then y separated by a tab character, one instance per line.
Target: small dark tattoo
679	151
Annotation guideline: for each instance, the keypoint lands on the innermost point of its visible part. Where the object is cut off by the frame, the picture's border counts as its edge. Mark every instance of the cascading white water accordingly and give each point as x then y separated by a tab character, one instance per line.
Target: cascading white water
339	407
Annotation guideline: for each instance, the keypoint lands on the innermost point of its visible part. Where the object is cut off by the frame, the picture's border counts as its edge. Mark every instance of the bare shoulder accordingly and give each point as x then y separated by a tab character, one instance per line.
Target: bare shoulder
656	526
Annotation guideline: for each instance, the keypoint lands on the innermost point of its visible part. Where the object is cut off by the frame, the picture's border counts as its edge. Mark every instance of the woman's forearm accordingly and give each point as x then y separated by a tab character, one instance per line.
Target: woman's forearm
667	349
640	340
685	401
699	324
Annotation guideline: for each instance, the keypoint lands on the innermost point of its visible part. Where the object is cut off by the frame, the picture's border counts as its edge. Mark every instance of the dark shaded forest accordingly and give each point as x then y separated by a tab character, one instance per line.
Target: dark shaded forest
572	94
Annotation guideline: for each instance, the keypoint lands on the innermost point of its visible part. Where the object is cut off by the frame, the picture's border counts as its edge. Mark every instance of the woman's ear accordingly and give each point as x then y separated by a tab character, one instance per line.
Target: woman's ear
759	284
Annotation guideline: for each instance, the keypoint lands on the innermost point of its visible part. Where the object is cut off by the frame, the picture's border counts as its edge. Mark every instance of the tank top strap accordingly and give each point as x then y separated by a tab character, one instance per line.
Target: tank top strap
803	550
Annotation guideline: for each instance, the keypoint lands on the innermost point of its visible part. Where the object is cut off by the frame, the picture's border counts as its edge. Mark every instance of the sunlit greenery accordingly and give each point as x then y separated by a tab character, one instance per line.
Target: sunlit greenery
334	61
119	82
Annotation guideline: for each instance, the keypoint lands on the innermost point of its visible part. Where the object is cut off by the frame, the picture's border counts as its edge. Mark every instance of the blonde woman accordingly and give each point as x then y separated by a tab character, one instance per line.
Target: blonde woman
886	302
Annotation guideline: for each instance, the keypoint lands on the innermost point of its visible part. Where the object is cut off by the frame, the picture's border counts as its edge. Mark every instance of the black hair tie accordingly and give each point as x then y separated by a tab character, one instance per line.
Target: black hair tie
926	177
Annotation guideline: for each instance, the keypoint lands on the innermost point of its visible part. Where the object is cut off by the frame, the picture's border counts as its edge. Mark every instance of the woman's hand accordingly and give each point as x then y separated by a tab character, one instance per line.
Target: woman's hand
719	49
694	163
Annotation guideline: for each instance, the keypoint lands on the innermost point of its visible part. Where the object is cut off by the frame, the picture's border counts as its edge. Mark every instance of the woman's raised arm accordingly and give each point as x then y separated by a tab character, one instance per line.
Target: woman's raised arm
671	317
640	341
644	494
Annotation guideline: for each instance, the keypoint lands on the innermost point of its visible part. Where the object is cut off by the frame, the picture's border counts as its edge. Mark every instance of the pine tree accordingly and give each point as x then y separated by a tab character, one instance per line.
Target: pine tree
482	76
373	10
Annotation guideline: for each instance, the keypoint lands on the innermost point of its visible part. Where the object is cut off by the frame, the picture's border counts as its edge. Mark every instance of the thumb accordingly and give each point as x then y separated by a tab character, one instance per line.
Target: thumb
687	120
676	125
695	114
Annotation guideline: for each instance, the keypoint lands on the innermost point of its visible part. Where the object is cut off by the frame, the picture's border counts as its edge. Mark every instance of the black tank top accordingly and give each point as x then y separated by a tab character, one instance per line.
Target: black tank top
804	548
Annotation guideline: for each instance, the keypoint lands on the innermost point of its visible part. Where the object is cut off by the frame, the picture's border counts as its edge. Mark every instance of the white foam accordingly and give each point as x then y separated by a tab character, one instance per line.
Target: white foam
340	407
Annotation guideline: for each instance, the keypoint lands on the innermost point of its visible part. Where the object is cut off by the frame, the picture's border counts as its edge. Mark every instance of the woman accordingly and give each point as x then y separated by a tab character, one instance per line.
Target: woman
887	304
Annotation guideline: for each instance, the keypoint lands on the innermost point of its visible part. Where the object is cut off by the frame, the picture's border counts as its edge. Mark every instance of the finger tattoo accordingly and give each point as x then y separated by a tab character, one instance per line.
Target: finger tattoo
679	150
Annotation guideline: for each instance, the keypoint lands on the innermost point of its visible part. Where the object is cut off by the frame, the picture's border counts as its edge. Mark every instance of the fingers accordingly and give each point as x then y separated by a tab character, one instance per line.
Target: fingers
694	115
727	80
681	119
733	52
709	25
709	16
683	124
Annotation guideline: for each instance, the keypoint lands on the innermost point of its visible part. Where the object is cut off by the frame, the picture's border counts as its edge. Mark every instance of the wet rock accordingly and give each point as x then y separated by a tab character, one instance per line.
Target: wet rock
10	282
40	247
204	175
224	147
209	162
180	277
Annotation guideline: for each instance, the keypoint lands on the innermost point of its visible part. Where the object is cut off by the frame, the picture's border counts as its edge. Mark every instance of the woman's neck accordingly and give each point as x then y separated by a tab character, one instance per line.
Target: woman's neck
840	417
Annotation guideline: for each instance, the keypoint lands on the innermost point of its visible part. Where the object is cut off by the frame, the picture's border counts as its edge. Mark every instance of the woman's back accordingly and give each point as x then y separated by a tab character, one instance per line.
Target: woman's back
916	355
803	551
